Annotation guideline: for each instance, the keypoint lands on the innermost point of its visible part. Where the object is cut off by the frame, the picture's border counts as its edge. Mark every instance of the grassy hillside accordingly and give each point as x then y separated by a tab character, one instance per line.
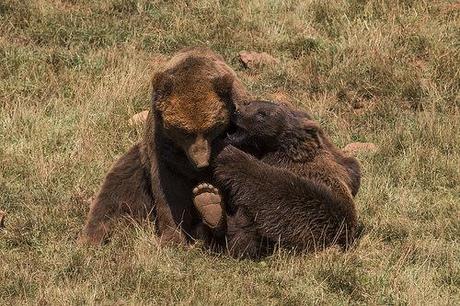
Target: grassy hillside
72	73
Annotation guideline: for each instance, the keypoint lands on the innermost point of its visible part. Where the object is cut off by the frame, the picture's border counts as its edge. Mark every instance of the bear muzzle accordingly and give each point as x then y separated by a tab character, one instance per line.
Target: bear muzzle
199	152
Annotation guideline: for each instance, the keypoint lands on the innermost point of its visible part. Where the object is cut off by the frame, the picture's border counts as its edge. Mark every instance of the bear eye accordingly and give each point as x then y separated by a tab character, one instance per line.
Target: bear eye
261	116
180	132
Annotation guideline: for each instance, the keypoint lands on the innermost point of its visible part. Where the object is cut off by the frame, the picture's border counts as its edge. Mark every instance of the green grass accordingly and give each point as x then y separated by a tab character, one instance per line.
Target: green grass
72	73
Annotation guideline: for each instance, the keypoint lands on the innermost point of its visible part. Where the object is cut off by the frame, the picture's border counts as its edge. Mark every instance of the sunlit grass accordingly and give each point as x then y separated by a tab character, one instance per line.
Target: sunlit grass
73	72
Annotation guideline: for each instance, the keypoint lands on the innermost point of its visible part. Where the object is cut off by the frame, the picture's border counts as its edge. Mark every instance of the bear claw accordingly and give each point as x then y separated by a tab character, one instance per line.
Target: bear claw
208	202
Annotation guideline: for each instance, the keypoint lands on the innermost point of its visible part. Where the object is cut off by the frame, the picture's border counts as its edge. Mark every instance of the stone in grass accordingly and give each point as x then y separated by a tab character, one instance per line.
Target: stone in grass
89	200
139	118
251	59
356	148
2	219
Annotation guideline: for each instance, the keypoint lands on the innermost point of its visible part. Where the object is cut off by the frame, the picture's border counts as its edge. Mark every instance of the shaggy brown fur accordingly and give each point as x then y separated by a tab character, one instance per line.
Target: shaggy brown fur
351	164
299	194
125	191
193	96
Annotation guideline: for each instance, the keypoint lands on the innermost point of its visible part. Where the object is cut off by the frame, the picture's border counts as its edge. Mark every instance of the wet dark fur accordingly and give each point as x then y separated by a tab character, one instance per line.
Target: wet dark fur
298	194
156	177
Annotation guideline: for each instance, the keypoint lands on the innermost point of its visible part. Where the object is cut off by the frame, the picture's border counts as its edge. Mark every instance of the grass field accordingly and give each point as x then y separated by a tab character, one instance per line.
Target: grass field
72	73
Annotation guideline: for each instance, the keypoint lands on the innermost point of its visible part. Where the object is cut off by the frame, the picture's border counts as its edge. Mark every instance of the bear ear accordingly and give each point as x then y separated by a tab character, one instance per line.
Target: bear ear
312	129
162	86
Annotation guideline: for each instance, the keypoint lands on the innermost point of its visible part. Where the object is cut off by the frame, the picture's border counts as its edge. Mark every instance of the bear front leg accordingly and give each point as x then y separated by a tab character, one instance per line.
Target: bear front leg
288	209
97	225
173	205
233	167
126	190
169	231
243	240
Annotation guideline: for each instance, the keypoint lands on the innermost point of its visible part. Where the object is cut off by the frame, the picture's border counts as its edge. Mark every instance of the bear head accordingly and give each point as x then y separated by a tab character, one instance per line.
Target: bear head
193	105
266	126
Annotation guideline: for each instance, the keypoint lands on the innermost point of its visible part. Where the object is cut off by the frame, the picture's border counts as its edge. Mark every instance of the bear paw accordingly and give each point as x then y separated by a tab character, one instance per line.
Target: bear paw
231	165
231	156
208	202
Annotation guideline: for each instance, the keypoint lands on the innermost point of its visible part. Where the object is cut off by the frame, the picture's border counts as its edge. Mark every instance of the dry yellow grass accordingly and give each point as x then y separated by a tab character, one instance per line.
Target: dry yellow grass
73	72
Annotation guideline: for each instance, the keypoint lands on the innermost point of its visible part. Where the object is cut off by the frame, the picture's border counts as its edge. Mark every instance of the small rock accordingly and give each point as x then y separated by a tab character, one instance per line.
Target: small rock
89	200
139	118
358	104
451	7
2	219
356	148
282	97
255	59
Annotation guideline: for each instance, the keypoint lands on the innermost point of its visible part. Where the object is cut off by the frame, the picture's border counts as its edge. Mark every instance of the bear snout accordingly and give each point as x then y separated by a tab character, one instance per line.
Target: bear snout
199	152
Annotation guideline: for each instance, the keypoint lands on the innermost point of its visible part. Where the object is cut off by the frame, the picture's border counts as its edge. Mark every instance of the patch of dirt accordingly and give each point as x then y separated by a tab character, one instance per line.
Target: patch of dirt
2	219
251	59
139	118
450	8
89	200
356	148
281	97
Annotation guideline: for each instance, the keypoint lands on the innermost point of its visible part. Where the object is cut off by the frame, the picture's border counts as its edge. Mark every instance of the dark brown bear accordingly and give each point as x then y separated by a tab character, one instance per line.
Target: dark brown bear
299	193
193	96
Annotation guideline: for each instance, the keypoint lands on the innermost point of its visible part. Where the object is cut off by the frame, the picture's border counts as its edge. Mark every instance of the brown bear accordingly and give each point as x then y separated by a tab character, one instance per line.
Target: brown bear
193	96
299	190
